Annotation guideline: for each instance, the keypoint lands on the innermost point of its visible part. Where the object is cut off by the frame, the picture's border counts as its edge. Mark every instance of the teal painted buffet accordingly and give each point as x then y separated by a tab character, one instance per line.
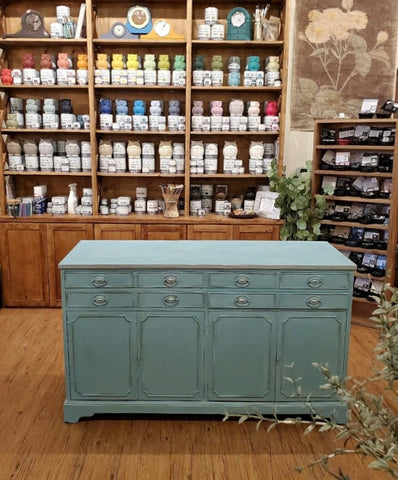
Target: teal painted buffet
203	327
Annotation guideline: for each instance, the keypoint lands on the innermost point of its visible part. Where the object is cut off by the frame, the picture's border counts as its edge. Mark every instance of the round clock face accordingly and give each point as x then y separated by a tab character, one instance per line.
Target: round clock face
238	19
138	17
33	21
162	28
119	30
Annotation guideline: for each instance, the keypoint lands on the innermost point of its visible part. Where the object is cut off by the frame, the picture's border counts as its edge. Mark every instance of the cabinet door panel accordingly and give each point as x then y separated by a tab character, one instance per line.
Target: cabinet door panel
102	355
61	238
162	232
241	356
115	232
24	265
256	232
210	232
304	338
171	355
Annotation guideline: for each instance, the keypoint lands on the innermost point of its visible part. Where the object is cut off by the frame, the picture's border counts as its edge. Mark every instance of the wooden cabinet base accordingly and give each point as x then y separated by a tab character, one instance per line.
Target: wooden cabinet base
32	247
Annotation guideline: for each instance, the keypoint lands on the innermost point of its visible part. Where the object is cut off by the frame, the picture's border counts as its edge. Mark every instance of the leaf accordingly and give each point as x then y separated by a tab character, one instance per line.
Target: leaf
308	88
363	62
325	428
319	51
309	429
381	55
243	418
301	225
272	425
358	43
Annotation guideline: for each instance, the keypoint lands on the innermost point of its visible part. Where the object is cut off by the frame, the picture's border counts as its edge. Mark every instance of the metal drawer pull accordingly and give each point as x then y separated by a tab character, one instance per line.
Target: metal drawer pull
99	281
314	302
170	280
315	282
100	300
242	281
170	300
242	301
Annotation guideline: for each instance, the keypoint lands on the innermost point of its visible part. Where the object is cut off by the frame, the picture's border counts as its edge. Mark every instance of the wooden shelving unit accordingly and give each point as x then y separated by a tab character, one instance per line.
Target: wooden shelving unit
43	240
340	217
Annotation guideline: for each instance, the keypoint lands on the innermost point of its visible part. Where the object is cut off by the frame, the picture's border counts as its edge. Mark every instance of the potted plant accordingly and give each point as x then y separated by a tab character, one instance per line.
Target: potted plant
301	213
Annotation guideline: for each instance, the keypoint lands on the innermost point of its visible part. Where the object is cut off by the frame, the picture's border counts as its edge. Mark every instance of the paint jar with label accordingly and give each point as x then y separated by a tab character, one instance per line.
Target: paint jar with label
63	13
152	207
56	30
140	206
211	15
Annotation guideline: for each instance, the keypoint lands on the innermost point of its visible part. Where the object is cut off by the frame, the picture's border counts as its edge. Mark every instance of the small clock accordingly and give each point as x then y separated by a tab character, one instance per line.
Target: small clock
118	30
139	20
239	24
32	26
162	27
238	19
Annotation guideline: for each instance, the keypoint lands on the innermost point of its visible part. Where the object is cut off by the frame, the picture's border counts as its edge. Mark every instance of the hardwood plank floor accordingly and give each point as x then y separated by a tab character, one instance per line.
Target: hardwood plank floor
35	443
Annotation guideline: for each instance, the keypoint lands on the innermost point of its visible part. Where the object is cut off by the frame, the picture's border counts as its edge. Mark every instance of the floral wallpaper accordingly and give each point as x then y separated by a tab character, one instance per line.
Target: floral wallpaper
343	52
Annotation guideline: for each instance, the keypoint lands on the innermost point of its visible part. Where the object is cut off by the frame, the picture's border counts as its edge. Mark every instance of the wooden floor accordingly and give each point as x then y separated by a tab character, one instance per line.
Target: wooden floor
35	443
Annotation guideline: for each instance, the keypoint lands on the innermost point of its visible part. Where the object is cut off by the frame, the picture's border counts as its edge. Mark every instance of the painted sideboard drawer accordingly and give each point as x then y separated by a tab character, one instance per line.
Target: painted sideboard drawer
242	280
176	299
107	299
313	281
314	301
241	300
98	279
170	279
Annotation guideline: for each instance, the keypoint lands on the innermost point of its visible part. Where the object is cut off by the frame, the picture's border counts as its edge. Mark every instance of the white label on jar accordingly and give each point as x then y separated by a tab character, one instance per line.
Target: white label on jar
197	77
152	207
104	164
211	165
211	15
86	164
215	123
14	161
32	162
194	206
148	165
134	165
204	32
217	32
75	163
248	205
63	13
56	30
141	192
120	164
217	78
82	77
220	207
46	163
140	206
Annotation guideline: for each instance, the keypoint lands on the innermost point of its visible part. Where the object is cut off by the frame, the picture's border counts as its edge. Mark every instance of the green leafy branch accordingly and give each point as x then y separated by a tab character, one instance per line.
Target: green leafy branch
300	213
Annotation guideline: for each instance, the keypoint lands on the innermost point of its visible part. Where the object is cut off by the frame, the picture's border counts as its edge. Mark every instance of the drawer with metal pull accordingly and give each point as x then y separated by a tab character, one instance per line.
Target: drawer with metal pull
241	300
170	279
103	299
314	301
242	280
156	299
314	281
99	279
